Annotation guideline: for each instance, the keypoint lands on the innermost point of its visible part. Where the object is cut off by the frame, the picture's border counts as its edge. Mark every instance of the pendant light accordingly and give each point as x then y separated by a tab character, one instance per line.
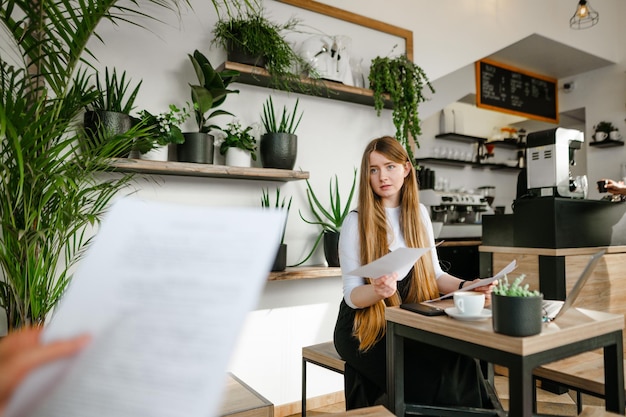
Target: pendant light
585	16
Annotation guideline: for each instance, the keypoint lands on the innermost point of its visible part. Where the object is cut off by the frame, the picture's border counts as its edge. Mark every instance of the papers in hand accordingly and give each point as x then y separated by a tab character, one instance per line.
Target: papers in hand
481	283
163	291
400	260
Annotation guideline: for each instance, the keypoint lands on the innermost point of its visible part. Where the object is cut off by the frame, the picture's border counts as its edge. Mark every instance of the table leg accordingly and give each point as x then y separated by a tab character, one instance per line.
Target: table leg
614	377
521	390
395	371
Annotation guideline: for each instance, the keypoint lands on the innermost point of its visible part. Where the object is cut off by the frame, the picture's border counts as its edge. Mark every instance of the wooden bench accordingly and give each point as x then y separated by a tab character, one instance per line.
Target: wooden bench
375	411
240	400
596	412
582	373
324	355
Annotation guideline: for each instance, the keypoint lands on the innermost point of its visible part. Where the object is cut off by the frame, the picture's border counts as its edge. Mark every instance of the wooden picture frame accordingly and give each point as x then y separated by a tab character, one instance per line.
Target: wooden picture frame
357	19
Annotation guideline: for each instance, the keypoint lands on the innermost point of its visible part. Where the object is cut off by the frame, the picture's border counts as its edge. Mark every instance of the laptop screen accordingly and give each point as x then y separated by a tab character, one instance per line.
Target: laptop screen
584	276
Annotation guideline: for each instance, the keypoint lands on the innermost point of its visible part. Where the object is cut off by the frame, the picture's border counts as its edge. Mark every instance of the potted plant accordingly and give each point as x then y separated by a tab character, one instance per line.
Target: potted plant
161	130
279	144
331	219
210	93
404	82
108	114
517	311
603	130
280	263
238	144
250	38
52	190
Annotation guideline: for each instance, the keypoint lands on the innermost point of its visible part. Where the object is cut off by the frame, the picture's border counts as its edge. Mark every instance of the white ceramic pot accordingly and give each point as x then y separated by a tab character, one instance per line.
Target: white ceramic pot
157	154
236	157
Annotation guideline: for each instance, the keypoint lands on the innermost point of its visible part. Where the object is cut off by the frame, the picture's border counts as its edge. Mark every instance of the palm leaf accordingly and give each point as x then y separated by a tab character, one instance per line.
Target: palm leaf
51	190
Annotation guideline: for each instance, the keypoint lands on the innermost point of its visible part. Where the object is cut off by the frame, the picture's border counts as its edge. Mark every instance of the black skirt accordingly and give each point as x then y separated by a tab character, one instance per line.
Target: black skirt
433	376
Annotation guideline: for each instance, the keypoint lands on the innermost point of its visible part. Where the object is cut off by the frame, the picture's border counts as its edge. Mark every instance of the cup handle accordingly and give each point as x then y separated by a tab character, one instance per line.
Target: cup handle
460	306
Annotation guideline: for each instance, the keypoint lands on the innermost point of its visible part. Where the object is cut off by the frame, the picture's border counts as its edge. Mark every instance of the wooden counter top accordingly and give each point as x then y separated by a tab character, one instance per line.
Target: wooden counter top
451	243
551	252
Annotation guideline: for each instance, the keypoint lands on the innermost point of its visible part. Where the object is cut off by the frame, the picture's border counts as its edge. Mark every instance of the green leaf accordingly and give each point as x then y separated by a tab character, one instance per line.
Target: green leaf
329	219
51	188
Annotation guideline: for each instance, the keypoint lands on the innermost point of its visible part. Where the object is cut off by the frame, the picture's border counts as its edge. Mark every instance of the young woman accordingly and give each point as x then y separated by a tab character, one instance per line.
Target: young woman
389	216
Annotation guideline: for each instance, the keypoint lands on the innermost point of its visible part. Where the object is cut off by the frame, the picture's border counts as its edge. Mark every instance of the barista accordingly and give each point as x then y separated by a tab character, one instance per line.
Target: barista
613	187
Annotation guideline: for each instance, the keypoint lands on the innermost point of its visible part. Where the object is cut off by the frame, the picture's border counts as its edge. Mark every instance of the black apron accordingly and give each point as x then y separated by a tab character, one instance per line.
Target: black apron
433	376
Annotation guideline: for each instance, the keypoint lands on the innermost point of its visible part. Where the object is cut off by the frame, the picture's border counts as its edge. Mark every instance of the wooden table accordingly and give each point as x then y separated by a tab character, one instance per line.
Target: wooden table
575	332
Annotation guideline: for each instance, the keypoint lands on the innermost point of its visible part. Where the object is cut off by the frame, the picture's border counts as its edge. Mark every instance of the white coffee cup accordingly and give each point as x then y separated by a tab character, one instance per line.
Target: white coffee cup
615	135
469	303
600	135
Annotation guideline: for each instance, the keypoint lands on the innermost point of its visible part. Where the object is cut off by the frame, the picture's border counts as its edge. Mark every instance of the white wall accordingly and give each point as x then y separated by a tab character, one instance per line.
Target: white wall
449	35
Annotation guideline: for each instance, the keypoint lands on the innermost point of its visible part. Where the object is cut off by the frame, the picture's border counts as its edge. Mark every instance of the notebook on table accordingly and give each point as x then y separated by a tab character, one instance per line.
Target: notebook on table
553	309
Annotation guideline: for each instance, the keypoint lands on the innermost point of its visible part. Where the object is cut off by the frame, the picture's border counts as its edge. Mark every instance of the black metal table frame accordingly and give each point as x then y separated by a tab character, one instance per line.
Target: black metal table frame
522	394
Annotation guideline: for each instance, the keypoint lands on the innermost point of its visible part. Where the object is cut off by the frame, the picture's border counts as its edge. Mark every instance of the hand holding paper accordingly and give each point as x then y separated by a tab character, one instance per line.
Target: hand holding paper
400	260
481	283
163	321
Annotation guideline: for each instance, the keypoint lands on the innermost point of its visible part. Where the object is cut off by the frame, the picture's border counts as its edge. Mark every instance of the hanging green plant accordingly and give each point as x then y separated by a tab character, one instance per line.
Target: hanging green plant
252	33
404	82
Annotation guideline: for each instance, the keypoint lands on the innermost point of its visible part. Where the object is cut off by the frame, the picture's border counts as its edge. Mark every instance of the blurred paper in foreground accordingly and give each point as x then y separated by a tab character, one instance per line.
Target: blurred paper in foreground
164	290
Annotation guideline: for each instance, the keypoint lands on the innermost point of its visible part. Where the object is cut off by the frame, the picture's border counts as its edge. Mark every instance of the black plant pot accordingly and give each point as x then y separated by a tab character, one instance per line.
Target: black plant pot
198	148
235	53
102	124
280	263
517	316
331	248
279	150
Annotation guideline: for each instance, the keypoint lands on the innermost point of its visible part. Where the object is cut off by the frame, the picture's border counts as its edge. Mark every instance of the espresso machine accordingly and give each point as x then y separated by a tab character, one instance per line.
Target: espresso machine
460	212
549	157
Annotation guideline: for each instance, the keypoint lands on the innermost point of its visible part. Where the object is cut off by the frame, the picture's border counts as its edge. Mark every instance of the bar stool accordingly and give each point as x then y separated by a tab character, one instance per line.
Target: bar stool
324	355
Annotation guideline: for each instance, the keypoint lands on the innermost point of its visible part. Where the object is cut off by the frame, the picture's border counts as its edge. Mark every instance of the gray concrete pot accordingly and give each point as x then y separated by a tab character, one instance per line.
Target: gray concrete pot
278	150
331	248
280	263
197	148
104	123
517	316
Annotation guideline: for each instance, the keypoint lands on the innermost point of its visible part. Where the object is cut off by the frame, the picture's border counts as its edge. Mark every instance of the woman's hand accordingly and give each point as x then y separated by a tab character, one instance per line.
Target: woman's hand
615	187
21	352
386	285
485	289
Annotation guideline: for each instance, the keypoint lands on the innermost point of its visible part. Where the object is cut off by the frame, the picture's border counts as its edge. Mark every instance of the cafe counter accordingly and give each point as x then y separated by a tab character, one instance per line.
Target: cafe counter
552	239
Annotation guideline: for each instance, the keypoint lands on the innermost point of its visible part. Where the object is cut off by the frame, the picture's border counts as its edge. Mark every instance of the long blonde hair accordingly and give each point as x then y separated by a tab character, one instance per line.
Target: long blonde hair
369	323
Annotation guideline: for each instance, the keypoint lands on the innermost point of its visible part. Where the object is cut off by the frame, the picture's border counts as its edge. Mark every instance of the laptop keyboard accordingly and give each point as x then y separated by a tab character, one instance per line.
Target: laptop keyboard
551	307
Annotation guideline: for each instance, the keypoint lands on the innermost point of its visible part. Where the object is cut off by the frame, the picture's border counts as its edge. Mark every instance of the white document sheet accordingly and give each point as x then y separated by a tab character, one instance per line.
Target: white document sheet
164	291
400	260
485	281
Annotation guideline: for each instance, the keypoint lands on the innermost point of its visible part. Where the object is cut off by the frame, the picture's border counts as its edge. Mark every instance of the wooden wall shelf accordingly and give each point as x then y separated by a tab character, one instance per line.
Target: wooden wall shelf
458	162
460	138
305	272
607	143
142	166
319	88
507	143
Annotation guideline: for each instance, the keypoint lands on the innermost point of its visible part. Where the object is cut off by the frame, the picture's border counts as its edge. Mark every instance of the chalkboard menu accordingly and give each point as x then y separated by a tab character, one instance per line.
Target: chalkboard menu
511	90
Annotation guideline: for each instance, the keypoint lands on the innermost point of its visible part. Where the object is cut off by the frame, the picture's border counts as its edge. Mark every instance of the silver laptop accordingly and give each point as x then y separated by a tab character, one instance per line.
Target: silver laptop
553	309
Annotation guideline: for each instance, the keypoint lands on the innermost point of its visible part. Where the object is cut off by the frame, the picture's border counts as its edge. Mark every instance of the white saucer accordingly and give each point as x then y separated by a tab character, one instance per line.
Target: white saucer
454	312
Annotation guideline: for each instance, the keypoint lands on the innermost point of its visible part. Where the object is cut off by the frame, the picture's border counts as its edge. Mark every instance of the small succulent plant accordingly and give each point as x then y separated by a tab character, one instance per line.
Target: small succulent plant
515	289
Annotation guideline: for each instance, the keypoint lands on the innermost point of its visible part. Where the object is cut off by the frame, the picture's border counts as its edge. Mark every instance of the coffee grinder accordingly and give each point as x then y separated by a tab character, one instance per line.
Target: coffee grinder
549	156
